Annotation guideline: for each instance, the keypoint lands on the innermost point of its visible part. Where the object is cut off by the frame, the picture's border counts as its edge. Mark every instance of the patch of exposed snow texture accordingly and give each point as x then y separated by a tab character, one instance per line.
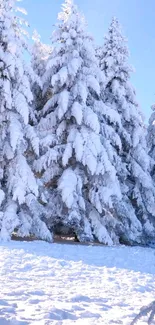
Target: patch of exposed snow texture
43	283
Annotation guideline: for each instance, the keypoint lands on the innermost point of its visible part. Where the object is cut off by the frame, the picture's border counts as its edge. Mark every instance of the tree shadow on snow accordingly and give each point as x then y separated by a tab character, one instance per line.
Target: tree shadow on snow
137	259
4	321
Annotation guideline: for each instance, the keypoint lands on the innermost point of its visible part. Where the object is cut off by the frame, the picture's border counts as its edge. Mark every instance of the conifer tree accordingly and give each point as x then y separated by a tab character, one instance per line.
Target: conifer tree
151	141
126	133
19	208
39	57
80	180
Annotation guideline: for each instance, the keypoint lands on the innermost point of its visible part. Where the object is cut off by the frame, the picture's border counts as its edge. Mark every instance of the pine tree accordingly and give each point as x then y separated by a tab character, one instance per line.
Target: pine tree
19	190
76	171
151	140
126	133
39	56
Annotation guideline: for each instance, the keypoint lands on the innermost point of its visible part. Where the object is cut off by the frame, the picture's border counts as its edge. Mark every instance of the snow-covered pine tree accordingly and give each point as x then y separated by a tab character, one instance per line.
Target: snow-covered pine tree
77	173
151	140
19	208
126	132
39	57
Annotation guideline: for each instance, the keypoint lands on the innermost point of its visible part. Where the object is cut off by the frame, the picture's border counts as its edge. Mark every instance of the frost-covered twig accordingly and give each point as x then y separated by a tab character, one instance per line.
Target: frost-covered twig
146	311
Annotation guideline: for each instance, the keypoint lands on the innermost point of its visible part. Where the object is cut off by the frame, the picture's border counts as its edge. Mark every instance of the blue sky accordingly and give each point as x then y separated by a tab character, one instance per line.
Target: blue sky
138	20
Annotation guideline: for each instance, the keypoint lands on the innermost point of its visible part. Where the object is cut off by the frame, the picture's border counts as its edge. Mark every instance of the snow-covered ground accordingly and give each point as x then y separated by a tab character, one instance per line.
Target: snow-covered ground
43	284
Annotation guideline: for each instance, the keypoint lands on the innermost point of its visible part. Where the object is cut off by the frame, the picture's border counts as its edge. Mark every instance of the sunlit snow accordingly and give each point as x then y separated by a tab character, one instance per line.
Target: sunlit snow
43	284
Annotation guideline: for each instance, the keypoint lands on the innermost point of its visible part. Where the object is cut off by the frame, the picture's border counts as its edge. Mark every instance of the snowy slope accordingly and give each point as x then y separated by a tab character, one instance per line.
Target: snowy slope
43	284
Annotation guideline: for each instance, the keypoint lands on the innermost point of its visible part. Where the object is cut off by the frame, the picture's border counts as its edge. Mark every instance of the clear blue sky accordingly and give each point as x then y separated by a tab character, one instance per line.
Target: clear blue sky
138	20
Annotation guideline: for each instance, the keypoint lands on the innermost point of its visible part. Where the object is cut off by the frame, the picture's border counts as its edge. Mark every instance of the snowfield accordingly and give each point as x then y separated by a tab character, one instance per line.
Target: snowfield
43	284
